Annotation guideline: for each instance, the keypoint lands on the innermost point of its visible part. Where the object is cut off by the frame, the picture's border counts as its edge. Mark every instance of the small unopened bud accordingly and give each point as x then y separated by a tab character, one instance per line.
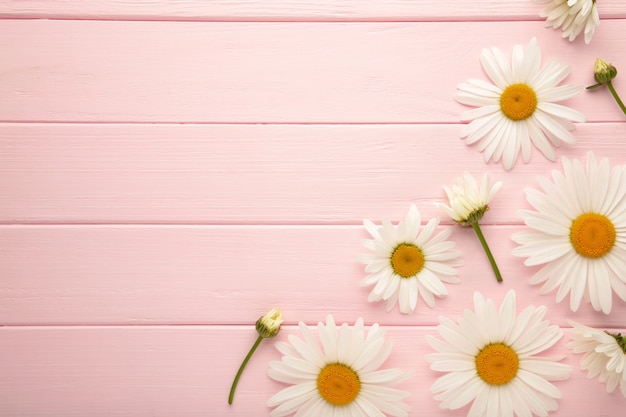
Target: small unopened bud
268	326
603	71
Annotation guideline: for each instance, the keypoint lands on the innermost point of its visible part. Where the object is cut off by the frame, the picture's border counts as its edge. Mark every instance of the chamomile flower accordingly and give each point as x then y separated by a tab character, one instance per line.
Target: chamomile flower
578	232
572	16
604	354
468	204
408	260
519	109
339	378
491	360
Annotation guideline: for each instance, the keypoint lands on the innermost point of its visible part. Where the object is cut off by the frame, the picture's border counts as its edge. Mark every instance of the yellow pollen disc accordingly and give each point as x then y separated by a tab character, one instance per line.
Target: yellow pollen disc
407	260
497	364
518	102
338	384
592	235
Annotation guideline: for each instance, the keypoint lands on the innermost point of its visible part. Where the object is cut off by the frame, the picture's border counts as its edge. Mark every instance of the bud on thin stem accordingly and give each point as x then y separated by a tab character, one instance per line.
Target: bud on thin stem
603	73
267	327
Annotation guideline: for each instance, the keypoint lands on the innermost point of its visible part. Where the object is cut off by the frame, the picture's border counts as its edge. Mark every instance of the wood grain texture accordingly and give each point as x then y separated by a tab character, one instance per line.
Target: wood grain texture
260	174
260	10
260	72
171	169
194	274
166	371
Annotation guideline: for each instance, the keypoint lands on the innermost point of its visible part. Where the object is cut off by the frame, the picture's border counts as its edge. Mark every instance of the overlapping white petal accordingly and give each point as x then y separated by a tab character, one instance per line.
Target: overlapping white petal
572	16
502	138
361	350
440	261
592	187
602	355
467	197
528	334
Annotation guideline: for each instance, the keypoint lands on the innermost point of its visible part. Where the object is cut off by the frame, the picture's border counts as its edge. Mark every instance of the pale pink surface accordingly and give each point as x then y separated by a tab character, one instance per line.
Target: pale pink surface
171	170
262	10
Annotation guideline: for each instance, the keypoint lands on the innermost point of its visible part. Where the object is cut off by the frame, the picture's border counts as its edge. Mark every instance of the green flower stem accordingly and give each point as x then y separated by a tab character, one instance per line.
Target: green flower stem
243	365
483	242
616	97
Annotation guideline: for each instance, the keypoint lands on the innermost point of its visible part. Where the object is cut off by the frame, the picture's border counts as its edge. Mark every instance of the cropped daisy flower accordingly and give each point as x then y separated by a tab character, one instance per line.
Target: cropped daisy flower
468	204
604	354
572	16
408	260
340	378
490	359
519	108
578	232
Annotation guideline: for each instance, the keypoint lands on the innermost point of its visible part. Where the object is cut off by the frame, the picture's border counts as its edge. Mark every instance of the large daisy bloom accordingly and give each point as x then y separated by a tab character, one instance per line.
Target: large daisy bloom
578	232
408	260
572	16
519	107
604	354
490	359
339	378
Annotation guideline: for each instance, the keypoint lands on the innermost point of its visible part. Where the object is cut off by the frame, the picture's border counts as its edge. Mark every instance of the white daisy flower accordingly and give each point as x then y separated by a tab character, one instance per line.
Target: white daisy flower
604	354
578	232
490	359
519	108
468	204
468	200
408	260
572	16
341	378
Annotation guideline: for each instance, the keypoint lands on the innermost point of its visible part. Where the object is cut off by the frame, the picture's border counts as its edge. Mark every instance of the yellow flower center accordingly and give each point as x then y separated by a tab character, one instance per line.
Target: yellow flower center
497	364
592	235
407	260
338	384
518	102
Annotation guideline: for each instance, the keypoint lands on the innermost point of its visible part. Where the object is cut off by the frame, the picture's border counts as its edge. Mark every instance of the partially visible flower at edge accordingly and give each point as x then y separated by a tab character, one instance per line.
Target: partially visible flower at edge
572	16
603	72
267	326
339	375
604	354
468	204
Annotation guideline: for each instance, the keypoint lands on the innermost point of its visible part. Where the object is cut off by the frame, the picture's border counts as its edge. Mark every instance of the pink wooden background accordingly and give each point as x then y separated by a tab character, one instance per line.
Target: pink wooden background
170	170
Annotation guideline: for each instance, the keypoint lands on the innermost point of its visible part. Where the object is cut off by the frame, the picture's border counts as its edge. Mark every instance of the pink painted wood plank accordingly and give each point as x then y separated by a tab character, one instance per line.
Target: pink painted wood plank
218	274
320	10
289	174
187	371
110	71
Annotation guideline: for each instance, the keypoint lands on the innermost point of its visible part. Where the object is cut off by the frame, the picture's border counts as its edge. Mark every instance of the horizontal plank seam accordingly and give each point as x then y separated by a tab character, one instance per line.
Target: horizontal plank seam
289	326
279	19
222	123
287	19
224	225
254	123
284	326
